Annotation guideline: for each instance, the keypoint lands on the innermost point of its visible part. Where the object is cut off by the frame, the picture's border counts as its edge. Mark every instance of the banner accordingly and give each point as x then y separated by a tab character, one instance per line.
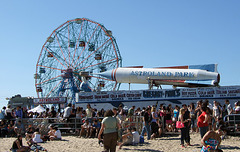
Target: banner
53	100
163	94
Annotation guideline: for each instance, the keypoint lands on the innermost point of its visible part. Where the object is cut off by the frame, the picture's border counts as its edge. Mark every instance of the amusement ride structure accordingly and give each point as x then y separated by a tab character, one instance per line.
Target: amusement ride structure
71	55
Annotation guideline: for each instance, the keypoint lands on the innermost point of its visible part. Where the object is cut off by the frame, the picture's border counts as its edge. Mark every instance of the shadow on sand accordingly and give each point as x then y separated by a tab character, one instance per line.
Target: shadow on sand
149	150
230	147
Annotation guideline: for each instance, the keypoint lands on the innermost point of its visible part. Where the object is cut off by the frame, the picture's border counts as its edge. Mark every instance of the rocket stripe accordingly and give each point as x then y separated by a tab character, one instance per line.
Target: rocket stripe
115	74
112	75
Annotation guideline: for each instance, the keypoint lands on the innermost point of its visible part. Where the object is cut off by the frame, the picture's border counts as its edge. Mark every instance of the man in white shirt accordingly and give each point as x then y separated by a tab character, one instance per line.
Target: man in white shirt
67	111
229	107
132	137
136	136
57	134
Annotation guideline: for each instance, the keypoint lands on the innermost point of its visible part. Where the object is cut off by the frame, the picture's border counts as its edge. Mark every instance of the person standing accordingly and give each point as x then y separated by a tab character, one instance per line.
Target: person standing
184	130
53	113
229	107
131	111
146	123
217	113
154	123
19	112
193	116
187	116
2	113
202	122
67	112
89	113
109	129
9	112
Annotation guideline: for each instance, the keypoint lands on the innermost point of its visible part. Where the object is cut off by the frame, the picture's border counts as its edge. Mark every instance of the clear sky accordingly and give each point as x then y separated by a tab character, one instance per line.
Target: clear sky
151	33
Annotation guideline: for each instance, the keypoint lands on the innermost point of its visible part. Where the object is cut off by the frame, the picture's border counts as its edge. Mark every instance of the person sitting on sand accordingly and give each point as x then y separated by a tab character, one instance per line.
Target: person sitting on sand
126	138
95	128
85	128
36	137
136	136
57	134
212	140
132	137
29	133
35	147
18	146
51	131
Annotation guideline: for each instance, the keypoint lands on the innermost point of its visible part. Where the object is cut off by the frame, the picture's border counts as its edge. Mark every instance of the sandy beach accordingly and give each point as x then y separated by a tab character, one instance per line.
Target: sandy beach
164	144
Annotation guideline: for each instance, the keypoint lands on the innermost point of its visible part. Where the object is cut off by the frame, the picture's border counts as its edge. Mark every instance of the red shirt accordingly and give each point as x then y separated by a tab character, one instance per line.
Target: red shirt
201	118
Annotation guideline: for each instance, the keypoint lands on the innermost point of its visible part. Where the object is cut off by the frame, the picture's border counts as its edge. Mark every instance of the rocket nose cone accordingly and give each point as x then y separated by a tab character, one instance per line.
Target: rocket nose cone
106	74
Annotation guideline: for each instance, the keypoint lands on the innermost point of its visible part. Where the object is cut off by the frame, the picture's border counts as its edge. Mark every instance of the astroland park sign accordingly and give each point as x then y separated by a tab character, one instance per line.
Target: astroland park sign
163	94
52	100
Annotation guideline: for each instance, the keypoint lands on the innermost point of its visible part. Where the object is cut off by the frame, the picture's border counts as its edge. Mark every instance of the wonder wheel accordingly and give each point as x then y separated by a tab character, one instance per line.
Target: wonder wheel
70	57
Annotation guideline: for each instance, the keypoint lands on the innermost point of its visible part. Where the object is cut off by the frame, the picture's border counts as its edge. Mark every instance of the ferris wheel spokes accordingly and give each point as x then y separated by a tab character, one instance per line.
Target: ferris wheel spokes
54	56
85	47
53	89
61	49
48	67
48	80
91	53
97	64
77	43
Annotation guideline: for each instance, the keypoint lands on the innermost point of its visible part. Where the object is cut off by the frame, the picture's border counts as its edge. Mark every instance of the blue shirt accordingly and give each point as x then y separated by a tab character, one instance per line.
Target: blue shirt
19	113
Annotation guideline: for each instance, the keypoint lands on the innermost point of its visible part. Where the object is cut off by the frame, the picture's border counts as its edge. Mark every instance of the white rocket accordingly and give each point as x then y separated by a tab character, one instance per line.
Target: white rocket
185	76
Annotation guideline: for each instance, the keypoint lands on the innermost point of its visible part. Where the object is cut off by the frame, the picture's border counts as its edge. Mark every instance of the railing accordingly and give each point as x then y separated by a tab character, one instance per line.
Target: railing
233	123
133	121
73	125
70	126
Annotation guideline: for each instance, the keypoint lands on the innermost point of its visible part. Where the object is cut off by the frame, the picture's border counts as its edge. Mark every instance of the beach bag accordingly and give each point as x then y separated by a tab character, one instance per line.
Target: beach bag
141	140
179	124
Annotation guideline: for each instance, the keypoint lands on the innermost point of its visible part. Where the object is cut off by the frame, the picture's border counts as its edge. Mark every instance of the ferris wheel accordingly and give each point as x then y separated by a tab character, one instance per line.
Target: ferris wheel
70	57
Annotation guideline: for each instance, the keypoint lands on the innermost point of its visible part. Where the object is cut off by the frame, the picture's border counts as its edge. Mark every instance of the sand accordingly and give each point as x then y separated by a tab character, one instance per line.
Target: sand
164	144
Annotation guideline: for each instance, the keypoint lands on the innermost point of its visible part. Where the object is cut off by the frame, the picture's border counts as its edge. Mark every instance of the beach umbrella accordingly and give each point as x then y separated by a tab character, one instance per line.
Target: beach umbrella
37	109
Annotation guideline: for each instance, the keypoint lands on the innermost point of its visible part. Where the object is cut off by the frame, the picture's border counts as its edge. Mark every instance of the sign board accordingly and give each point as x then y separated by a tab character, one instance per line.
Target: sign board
163	94
52	100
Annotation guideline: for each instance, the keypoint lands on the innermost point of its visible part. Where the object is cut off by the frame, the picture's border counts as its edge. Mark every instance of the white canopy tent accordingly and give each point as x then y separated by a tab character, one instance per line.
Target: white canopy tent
37	109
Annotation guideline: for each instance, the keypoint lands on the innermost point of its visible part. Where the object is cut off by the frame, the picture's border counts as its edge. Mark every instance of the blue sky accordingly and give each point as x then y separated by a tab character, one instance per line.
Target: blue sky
151	33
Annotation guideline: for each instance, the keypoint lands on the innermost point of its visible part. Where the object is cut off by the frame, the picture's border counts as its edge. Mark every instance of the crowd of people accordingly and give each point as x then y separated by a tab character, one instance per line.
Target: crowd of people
204	118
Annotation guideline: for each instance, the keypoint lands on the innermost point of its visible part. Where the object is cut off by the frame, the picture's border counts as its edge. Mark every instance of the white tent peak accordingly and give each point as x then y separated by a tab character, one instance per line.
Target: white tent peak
37	109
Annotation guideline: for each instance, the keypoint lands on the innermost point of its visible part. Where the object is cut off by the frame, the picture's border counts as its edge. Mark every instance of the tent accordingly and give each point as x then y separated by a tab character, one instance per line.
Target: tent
37	109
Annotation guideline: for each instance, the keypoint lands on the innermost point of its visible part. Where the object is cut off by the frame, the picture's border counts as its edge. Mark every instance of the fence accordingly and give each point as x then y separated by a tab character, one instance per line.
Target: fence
233	123
73	125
